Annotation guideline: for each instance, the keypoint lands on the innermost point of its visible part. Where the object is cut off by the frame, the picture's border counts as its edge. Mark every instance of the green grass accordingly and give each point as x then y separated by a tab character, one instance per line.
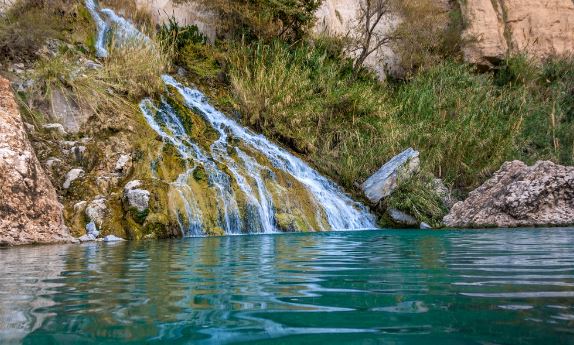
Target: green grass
464	123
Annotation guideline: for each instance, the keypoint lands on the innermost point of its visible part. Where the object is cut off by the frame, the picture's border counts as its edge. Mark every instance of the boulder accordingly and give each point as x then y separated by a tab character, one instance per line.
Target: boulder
29	207
138	199
496	28
87	238
401	217
382	183
518	195
96	210
113	238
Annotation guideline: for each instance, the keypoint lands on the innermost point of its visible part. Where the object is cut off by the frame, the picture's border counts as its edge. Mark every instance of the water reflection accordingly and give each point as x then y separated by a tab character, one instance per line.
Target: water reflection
353	287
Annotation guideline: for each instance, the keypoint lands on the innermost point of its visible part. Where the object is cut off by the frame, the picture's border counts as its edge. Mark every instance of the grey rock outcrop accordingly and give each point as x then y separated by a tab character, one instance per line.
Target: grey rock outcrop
518	195
72	176
29	208
402	218
96	210
382	183
136	198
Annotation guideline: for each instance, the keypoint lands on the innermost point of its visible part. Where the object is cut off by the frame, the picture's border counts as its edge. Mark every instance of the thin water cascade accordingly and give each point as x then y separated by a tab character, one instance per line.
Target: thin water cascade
239	182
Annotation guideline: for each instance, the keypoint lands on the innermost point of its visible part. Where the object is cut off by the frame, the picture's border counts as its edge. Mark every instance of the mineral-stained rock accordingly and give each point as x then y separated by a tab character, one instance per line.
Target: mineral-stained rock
382	183
519	195
29	208
496	28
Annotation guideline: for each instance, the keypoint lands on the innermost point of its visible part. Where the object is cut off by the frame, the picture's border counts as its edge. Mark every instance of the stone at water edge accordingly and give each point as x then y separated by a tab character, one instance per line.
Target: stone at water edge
401	217
87	238
113	238
92	229
382	183
519	196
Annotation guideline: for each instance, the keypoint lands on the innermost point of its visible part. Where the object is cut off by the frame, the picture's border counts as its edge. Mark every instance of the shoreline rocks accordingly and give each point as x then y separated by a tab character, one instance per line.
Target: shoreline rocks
29	208
518	195
383	182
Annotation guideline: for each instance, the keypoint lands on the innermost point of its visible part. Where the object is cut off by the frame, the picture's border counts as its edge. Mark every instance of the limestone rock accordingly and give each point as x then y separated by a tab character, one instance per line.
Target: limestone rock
55	128
92	229
66	112
138	199
123	163
87	238
496	28
96	211
519	195
71	176
424	226
112	238
402	218
382	183
29	208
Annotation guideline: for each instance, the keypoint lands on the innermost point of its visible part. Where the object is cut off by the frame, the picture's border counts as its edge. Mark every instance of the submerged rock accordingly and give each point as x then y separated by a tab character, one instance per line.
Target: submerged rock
382	183
29	208
113	238
519	195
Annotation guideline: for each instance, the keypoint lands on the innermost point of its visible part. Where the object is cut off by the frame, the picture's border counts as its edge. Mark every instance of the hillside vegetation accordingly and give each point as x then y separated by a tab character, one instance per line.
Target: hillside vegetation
269	71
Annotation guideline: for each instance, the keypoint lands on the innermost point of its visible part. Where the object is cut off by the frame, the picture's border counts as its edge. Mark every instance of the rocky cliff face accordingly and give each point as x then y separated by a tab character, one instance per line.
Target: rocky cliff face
184	14
496	28
519	195
29	209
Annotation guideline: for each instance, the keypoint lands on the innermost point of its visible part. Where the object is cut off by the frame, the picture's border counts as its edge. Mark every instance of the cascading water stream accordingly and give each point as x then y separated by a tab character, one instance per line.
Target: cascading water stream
252	182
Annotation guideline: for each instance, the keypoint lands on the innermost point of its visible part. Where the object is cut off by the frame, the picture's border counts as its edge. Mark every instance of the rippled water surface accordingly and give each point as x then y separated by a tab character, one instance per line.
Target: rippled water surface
368	287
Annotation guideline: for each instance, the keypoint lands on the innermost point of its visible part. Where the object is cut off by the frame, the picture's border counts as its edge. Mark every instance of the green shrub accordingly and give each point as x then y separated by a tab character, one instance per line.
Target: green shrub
417	197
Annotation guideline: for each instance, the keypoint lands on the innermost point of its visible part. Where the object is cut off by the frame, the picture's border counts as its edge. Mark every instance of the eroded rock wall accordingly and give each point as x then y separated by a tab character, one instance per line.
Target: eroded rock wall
519	195
497	28
29	208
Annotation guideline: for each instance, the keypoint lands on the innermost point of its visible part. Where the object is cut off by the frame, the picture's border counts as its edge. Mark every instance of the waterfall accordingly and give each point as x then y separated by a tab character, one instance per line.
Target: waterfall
251	184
